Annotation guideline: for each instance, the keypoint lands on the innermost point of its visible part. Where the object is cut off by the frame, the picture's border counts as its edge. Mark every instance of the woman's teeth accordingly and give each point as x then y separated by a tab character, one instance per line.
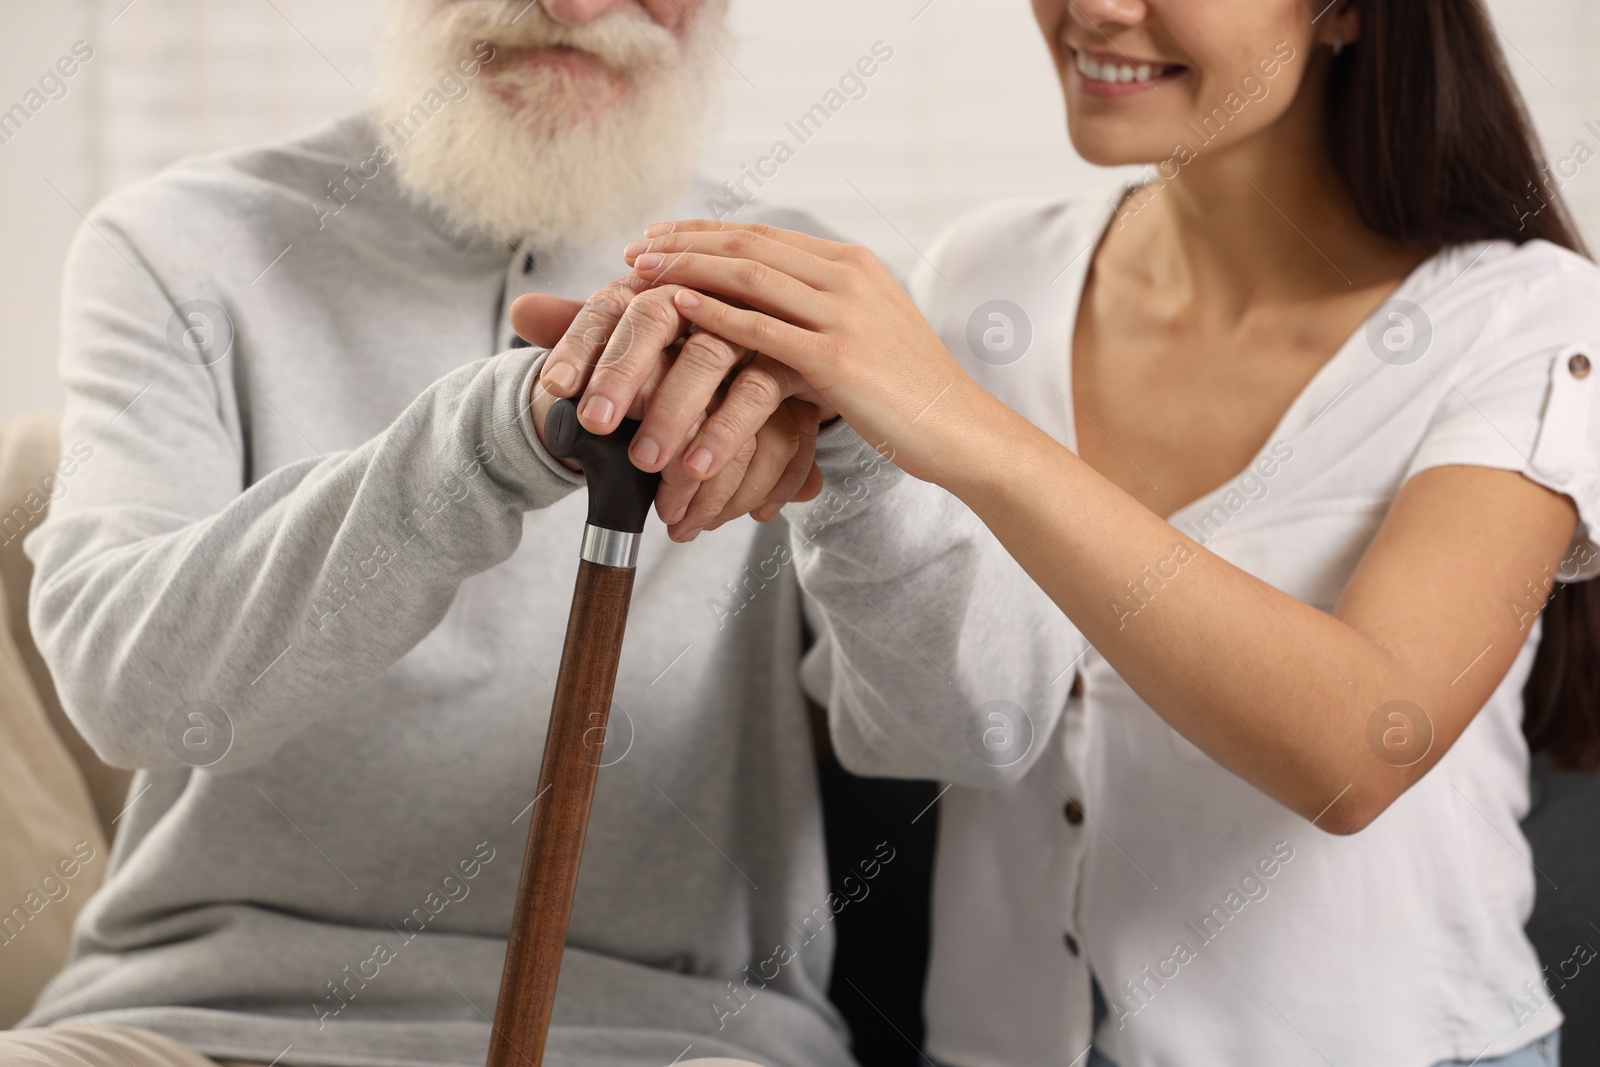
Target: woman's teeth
1117	72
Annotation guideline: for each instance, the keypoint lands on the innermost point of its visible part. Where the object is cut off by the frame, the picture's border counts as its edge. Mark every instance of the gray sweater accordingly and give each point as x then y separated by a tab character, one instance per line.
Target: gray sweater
340	544
312	581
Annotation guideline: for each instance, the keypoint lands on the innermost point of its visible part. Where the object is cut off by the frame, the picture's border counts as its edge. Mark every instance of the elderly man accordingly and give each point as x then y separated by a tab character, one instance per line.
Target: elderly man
313	585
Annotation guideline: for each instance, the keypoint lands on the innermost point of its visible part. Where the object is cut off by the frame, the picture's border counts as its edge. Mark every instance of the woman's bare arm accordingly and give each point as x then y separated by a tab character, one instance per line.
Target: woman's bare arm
1279	692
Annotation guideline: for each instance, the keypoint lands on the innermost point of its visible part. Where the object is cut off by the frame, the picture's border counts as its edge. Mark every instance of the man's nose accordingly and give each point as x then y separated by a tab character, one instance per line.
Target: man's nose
577	12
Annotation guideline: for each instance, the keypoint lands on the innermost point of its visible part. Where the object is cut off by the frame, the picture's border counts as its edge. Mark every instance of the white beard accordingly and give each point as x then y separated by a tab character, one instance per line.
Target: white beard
543	165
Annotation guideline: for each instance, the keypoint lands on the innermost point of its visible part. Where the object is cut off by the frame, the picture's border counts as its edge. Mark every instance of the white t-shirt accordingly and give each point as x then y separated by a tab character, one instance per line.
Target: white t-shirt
1222	927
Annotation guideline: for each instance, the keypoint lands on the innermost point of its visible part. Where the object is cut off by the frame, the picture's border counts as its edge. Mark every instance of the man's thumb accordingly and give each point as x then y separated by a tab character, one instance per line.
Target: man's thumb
541	320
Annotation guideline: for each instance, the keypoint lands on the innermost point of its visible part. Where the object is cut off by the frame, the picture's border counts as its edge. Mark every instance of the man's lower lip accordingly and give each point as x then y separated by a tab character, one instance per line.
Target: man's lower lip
1092	87
571	60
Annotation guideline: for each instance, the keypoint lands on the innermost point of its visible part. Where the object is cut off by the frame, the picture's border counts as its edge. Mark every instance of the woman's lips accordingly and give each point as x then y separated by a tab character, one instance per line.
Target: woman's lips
1114	75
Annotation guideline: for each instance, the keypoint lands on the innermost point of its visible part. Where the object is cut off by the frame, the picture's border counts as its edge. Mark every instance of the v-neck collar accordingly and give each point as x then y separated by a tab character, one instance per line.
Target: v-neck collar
1076	274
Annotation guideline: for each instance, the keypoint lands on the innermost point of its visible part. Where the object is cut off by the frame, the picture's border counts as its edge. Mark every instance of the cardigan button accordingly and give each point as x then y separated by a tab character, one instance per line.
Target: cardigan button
1071	943
1077	685
1074	813
1579	365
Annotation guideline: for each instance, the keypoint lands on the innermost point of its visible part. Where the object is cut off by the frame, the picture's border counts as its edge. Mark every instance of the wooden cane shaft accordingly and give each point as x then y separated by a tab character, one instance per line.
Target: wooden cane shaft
560	815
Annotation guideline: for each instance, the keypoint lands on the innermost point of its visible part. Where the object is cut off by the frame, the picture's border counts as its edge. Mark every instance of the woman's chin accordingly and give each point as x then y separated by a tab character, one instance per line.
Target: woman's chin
1105	147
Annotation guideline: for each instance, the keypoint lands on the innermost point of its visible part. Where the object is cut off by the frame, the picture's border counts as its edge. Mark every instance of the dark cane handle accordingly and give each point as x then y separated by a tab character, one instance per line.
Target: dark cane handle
620	494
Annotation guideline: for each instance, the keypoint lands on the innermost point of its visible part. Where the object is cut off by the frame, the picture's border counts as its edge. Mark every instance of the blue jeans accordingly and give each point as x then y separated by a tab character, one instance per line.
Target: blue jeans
1545	1052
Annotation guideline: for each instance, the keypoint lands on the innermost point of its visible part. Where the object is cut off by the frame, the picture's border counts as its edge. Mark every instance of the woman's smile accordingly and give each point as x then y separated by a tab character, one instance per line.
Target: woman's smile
1111	74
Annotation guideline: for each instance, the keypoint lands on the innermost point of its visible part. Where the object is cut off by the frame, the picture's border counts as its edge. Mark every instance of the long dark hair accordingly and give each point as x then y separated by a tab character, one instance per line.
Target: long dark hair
1432	138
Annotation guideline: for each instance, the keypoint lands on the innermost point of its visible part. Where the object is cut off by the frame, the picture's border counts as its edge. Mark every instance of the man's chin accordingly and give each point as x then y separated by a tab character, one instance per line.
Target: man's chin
547	142
551	166
553	102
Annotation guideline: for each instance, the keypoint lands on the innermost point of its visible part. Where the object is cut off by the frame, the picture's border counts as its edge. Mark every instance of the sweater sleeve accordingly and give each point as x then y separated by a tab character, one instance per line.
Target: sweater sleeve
936	655
165	583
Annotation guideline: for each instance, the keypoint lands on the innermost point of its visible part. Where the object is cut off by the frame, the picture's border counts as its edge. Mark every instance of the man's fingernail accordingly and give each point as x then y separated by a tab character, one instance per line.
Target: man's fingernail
699	461
636	249
686	299
677	516
691	535
646	451
560	375
660	229
649	261
598	409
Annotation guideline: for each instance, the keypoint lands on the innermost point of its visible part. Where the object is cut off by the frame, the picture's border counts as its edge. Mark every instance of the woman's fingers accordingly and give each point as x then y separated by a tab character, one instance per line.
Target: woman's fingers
791	345
817	246
738	244
749	281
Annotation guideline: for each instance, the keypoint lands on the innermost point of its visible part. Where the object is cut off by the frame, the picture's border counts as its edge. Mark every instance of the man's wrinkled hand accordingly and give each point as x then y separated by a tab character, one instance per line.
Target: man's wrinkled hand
627	352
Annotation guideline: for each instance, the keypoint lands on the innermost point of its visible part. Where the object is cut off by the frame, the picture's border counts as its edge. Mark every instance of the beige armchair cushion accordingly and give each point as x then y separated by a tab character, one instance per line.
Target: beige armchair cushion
53	810
29	449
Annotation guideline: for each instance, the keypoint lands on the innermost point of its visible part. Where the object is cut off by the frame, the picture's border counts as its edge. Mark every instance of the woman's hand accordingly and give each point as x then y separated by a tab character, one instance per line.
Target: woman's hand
771	462
834	314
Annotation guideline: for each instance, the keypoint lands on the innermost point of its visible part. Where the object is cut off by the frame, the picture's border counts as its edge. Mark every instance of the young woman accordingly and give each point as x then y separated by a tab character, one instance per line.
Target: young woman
1300	435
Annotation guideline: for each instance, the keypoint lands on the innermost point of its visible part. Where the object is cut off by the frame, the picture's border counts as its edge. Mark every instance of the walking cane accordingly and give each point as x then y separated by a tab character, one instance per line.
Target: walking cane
619	500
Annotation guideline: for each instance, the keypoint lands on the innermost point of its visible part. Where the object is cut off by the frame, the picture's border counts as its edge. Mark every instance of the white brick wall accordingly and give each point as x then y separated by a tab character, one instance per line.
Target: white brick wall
966	110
